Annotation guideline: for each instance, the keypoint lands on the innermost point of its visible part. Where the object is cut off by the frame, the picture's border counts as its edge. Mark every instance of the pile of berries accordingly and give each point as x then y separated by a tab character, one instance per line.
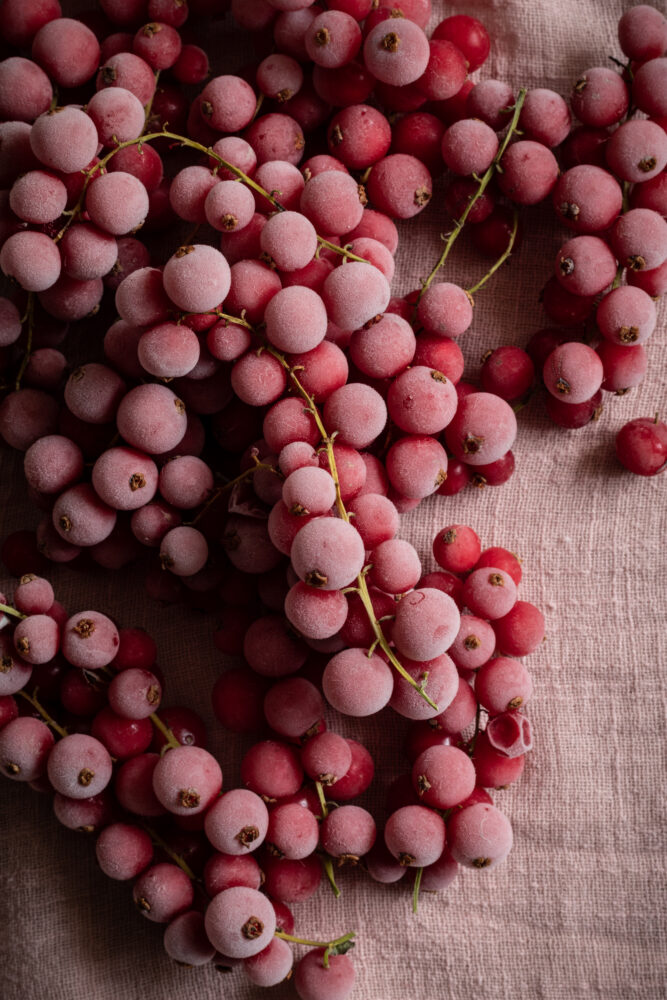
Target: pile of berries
81	718
262	413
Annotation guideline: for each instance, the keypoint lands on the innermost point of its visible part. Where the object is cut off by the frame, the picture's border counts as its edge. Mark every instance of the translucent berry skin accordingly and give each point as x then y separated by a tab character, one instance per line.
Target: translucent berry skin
25	745
443	776
186	780
624	367
313	982
162	892
641	446
600	97
479	836
469	35
415	835
585	265
573	372
222	871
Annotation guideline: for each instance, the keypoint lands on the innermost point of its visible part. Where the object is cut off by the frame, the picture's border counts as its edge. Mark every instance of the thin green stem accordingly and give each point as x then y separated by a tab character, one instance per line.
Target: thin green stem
28	318
501	260
207	151
484	182
165	730
415	891
227	488
149	106
323	801
7	610
176	858
336	947
361	584
32	699
327	864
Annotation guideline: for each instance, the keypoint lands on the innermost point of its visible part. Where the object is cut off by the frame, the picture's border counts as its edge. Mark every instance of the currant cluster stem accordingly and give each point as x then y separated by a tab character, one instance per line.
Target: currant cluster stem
503	257
482	185
329	946
7	610
207	151
361	585
32	699
29	318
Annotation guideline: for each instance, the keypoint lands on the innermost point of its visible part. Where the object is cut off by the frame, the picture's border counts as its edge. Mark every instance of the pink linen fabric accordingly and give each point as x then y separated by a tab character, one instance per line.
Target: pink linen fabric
577	911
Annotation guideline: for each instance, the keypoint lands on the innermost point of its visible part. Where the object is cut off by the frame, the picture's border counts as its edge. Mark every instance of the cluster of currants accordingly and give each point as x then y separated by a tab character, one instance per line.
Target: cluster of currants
83	179
613	196
81	718
150	792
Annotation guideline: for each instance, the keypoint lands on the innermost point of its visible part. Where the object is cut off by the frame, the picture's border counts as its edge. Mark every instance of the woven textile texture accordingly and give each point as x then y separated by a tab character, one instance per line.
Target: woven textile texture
577	911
